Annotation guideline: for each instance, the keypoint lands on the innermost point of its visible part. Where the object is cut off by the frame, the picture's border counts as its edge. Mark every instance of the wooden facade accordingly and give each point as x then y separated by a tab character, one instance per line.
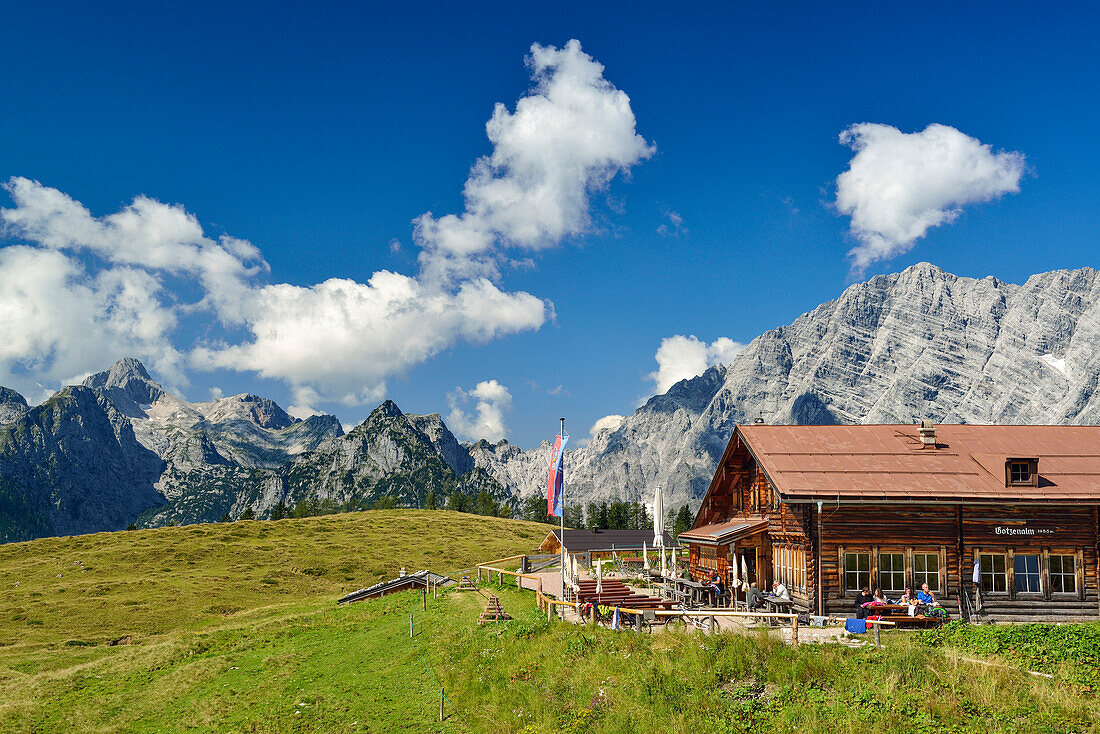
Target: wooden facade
1038	557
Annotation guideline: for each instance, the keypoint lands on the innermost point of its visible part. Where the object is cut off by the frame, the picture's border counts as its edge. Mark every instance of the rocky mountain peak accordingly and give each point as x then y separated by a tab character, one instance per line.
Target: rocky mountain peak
128	385
432	426
387	409
13	406
264	412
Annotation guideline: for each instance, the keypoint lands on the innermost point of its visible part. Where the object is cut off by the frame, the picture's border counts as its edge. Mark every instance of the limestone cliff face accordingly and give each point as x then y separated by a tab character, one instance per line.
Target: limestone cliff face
73	465
918	344
13	406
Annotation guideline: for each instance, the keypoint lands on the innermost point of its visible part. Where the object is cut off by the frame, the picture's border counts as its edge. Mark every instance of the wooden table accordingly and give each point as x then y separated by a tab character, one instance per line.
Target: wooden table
696	590
778	605
899	614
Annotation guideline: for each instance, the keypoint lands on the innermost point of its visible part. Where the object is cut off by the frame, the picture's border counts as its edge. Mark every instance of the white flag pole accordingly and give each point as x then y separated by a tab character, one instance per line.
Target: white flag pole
561	439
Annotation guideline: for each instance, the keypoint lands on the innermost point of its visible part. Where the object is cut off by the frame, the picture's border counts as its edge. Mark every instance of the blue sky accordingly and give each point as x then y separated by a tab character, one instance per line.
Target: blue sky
319	134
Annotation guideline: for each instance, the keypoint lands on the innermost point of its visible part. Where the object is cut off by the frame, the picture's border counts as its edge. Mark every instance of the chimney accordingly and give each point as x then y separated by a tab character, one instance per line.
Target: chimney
927	434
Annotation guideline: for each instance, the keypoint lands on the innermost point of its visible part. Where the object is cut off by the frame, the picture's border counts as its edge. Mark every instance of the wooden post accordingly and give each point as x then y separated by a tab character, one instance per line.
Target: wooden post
424	599
479	574
549	610
410	625
794	631
878	640
441	704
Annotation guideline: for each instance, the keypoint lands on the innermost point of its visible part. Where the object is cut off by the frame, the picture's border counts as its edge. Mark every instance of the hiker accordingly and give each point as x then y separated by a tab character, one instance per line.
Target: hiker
779	590
925	596
715	587
880	598
753	598
862	601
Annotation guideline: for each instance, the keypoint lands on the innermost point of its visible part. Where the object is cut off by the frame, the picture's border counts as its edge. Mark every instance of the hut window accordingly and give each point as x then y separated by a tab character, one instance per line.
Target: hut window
857	571
994	578
1063	575
926	570
1026	567
891	571
1020	471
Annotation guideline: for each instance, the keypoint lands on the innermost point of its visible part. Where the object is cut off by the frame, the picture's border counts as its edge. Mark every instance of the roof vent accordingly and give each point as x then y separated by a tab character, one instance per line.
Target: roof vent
928	434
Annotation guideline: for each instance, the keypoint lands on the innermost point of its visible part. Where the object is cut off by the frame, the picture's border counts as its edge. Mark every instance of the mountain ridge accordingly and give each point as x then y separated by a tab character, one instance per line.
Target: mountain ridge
898	348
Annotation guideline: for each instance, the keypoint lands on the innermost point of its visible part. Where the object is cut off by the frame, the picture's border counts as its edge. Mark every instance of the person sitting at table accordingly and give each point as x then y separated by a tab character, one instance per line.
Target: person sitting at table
909	600
880	598
925	596
779	590
753	598
716	586
862	601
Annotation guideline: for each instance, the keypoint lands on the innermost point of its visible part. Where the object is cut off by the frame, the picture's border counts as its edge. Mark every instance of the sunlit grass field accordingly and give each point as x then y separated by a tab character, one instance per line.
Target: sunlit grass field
234	627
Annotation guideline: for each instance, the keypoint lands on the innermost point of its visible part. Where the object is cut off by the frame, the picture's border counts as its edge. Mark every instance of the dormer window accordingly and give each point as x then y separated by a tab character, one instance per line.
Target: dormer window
1022	472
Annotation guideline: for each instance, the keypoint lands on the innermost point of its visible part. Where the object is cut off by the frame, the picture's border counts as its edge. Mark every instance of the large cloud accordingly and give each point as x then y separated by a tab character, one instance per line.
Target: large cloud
683	357
492	401
899	185
570	135
82	290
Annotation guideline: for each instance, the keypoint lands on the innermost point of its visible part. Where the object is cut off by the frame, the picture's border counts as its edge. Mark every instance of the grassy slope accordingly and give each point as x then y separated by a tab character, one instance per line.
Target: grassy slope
253	588
287	660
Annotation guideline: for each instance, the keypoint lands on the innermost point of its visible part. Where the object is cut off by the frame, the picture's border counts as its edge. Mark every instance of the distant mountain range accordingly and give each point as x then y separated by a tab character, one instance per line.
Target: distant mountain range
119	450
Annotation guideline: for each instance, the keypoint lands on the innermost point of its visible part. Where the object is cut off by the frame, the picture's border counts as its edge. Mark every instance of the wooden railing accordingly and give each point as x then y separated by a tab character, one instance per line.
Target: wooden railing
549	602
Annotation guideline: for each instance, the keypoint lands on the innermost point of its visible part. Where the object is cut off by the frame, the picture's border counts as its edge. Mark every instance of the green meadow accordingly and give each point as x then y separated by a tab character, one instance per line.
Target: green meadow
234	628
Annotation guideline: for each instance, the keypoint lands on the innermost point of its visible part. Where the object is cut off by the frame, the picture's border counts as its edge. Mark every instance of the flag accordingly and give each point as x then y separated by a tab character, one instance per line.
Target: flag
557	471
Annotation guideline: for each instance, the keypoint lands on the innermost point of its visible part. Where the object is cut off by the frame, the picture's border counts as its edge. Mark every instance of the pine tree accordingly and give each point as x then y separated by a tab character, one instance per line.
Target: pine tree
684	520
248	514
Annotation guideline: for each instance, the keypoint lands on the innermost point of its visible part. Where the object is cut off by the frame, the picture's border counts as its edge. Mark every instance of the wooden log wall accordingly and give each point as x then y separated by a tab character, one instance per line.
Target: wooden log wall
954	533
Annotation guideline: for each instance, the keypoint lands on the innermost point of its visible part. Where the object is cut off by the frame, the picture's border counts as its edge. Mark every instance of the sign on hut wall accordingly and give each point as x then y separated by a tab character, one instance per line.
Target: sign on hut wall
1003	530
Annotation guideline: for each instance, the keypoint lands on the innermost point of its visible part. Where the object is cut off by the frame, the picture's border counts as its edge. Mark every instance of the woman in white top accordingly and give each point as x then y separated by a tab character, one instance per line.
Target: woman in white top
779	590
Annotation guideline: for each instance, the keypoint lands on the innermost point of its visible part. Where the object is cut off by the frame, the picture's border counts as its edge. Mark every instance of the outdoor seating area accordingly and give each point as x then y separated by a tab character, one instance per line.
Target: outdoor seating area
615	593
900	615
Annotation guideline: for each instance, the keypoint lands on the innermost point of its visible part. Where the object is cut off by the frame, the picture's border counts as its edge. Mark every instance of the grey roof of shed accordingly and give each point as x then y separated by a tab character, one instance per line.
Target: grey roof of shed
579	541
420	578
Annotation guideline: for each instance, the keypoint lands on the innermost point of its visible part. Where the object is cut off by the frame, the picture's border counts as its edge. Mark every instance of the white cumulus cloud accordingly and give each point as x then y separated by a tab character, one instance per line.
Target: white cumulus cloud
606	424
79	291
491	401
899	185
570	135
683	357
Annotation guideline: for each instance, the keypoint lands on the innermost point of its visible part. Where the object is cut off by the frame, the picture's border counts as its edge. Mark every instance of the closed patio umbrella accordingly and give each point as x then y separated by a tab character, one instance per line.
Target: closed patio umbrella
744	574
659	526
645	557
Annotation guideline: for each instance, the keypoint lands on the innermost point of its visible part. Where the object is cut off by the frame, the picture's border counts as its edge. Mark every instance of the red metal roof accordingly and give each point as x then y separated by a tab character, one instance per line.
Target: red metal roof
725	532
869	462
